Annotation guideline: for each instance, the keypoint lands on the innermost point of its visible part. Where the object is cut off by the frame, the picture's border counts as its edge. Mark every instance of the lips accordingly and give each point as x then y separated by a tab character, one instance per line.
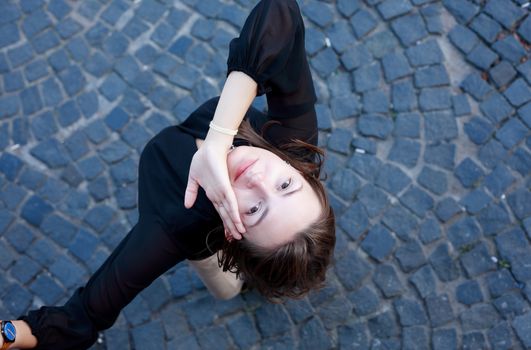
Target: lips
243	168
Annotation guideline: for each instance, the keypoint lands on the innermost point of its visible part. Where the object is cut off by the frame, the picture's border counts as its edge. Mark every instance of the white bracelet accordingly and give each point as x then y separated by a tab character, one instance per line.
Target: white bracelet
222	130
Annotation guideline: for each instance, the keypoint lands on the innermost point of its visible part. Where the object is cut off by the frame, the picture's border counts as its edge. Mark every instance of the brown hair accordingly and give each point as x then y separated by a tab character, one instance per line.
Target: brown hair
298	266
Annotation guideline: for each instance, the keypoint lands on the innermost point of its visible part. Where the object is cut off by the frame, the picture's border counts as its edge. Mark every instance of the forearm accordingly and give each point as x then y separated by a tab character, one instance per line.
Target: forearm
237	95
25	339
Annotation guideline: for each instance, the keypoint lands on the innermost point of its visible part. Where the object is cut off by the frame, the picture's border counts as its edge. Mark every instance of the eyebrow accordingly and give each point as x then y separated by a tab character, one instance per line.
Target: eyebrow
267	208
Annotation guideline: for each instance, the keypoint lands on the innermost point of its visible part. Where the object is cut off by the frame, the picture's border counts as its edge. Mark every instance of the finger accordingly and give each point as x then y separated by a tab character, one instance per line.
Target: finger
190	194
231	204
229	225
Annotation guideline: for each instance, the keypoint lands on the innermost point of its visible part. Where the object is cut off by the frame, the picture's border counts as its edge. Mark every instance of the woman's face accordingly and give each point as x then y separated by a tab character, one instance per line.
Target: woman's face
274	199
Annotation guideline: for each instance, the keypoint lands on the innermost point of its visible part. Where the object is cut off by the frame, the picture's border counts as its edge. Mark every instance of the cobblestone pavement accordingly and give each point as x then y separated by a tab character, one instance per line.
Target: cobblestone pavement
424	108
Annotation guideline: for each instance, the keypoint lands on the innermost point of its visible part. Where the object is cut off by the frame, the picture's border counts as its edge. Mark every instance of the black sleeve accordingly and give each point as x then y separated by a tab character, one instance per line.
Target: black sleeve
270	49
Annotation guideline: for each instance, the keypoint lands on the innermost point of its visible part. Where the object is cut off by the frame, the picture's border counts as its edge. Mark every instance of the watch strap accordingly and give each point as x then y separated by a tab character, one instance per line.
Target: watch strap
5	345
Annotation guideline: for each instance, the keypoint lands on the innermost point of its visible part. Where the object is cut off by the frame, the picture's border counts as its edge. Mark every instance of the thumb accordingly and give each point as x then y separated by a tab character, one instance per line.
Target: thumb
190	194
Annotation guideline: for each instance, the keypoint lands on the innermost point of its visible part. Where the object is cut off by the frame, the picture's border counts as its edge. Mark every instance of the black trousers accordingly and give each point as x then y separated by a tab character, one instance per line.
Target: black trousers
165	234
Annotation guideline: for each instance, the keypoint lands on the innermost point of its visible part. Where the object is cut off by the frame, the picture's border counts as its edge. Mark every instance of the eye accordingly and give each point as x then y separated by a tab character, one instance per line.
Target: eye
285	184
254	209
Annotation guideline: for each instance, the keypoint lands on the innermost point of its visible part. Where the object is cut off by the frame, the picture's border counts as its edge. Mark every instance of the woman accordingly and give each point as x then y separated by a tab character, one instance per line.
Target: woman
263	206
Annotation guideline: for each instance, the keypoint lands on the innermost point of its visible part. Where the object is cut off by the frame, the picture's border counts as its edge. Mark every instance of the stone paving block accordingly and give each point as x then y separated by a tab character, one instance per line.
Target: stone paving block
134	28
392	179
340	36
59	60
78	49
367	77
89	9
324	117
299	311
525	29
499	180
429	231
387	281
400	221
10	165
511	243
151	336
496	108
444	339
378	243
35	22
47	289
520	203
479	316
315	40
354	221
524	67
272	320
468	173
502	73
67	271
313	334
506	13
353	336
30	100
99	217
114	11
20	55
403	95
362	23
410	256
410	312
462	10
135	135
383	325
68	113
68	28
415	338
164	33
435	98
45	41
53	190
439	126
375	101
163	97
150	10
334	313
365	165
520	161
525	114
522	327
431	76
17	299
381	43
345	184
477	261
486	27
50	152
51	92
443	264
58	229
469	293
325	62
510	305
96	35
510	49
482	57
91	167
500	336
13	81
97	64
394	8
405	151
345	106
475	201
518	92
24	269
407	125
492	153
20	237
364	301
417	200
439	309
395	65
99	189
72	80
124	172
147	54
20	131
463	232
425	53
43	126
375	125
409	29
476	86
373	199
351	270
71	175
11	196
433	180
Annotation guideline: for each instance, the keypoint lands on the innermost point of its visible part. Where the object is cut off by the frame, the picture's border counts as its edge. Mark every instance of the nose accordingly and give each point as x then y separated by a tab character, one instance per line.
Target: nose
255	180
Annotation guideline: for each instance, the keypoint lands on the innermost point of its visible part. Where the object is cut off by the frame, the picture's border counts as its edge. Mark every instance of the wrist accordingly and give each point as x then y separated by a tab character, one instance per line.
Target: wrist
217	139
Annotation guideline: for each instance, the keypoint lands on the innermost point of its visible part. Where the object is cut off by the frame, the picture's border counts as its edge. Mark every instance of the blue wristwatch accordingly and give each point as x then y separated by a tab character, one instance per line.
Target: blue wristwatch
9	333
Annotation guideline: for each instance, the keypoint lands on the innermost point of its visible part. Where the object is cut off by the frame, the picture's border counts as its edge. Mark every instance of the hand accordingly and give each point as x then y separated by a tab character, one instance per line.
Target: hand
209	170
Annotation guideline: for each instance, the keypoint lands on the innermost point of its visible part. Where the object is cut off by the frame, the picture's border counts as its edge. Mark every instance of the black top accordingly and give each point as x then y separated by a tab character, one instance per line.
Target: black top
271	50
